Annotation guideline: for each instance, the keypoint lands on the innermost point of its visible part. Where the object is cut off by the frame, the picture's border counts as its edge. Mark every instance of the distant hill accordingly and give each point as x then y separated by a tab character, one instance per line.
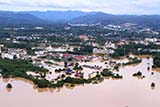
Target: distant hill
51	17
18	19
55	16
103	18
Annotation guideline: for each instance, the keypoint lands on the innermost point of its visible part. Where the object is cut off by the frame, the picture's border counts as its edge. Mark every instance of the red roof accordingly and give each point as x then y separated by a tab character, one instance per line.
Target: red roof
79	57
66	55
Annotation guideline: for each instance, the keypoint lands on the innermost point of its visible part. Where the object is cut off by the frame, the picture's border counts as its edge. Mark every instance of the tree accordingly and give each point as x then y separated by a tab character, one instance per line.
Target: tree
65	64
9	85
15	57
41	83
77	67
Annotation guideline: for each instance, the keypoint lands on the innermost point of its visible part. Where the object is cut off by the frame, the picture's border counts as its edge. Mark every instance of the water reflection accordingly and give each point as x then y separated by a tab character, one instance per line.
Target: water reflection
9	89
5	80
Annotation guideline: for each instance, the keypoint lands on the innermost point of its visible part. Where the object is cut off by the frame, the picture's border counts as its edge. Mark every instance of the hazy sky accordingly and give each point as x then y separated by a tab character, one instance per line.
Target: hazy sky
108	6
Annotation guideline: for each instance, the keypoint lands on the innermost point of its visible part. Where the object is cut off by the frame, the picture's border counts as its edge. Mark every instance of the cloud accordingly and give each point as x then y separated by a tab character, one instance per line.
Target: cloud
109	6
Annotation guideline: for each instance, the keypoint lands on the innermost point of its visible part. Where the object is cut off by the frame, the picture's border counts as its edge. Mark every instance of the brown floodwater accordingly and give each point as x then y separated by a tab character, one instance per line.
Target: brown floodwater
128	92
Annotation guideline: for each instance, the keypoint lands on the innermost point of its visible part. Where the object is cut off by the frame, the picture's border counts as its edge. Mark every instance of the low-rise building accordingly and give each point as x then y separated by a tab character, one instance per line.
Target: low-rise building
110	45
150	39
8	55
102	51
14	53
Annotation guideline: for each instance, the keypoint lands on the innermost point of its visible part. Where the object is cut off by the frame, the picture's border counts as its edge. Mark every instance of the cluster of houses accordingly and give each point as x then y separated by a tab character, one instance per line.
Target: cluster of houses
131	27
152	40
108	48
12	53
55	58
147	41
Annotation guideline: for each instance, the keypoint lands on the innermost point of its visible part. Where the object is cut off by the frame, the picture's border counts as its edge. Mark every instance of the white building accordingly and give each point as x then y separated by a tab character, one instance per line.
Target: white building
38	28
1	48
102	51
59	49
40	53
110	45
150	39
7	55
14	53
157	42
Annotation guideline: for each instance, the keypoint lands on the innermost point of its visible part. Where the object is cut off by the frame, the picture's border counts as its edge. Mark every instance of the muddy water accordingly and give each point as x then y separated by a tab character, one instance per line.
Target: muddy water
128	92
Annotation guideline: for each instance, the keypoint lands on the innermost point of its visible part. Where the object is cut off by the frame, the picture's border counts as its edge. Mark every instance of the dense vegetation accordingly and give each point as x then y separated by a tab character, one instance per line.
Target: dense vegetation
18	68
156	60
133	61
134	49
84	50
108	73
137	74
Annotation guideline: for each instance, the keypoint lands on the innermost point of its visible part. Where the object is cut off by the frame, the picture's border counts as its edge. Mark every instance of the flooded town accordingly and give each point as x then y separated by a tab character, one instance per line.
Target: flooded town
129	91
116	71
84	53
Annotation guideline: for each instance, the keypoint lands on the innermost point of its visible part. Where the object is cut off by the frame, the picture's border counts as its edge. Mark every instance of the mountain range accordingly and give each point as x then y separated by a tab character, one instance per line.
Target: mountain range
37	18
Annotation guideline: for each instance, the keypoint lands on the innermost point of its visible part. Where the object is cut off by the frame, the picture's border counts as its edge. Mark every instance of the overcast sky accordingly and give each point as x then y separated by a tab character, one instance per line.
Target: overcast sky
108	6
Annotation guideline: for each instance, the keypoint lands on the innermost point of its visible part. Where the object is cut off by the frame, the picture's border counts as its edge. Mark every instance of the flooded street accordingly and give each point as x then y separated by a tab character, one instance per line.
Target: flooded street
128	92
